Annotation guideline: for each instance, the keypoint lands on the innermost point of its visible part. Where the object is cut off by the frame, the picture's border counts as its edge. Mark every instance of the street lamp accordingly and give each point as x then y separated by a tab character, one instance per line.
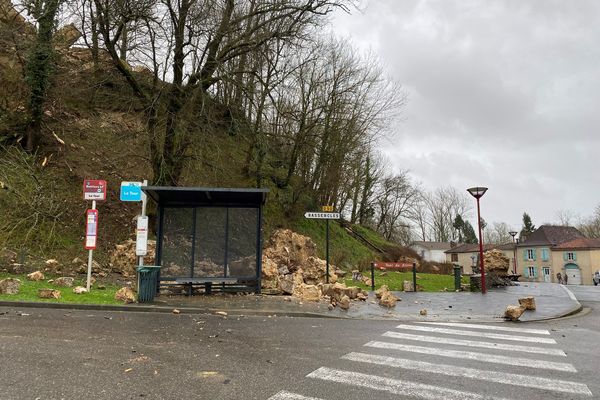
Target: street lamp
513	234
478	192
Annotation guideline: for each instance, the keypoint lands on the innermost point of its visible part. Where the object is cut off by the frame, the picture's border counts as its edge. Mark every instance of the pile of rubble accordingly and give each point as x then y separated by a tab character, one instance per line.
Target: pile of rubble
290	265
496	268
123	259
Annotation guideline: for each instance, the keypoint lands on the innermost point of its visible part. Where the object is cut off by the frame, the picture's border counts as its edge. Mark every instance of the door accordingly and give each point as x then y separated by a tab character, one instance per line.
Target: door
546	273
574	274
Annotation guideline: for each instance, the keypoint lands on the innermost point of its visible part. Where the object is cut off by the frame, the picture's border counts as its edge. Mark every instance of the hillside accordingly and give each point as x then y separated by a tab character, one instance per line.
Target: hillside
93	127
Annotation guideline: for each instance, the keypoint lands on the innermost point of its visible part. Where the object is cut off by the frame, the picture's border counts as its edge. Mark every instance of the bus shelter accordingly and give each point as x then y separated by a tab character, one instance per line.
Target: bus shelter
209	237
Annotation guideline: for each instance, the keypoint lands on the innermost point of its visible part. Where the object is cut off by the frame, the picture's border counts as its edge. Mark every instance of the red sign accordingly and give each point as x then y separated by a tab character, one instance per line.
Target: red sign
94	189
91	229
393	265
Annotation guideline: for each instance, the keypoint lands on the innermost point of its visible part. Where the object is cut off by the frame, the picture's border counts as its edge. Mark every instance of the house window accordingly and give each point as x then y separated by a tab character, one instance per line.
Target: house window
531	272
544	254
454	257
570	256
530	254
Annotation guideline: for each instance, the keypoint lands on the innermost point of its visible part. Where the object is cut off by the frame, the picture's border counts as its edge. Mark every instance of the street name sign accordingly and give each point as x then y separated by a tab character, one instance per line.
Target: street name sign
322	215
94	189
131	191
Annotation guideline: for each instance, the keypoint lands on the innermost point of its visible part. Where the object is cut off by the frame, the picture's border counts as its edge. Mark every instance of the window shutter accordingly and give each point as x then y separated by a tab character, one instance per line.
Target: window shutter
574	256
544	254
565	256
535	274
534	254
524	254
526	272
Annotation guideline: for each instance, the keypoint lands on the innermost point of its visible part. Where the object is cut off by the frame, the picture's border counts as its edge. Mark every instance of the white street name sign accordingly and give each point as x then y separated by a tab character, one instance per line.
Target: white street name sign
322	215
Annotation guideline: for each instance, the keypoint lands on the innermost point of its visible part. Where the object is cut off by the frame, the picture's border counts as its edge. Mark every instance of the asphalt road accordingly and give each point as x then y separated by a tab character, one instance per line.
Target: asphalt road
55	354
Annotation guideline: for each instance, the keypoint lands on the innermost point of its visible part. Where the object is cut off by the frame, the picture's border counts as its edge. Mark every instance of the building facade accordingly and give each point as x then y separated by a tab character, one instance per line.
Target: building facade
467	255
431	251
557	249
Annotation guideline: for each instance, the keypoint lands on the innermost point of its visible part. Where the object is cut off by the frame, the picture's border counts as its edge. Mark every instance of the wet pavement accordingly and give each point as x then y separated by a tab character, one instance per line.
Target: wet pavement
552	300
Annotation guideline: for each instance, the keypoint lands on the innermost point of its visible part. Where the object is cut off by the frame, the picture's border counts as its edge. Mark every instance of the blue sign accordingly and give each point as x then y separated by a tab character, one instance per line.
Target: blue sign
131	191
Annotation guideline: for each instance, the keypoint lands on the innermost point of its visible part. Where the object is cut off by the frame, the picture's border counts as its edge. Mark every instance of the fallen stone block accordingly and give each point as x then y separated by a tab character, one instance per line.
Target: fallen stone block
36	276
79	290
379	292
65	281
388	299
49	294
10	286
344	302
527	302
514	312
126	295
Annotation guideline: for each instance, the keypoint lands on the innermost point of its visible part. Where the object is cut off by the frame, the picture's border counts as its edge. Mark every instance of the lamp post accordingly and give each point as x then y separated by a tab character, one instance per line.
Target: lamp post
478	192
513	234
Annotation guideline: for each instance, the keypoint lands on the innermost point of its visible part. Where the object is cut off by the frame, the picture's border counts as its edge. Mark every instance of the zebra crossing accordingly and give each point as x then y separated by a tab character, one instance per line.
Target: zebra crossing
413	360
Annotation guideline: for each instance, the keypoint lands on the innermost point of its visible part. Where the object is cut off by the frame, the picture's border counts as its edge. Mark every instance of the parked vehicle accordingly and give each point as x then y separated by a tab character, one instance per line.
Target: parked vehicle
596	278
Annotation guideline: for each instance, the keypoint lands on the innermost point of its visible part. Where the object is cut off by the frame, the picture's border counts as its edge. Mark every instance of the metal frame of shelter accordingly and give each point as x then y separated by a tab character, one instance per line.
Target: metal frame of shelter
210	237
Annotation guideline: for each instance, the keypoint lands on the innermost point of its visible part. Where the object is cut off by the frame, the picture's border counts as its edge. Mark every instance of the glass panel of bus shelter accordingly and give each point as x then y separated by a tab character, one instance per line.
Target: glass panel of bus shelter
209	251
242	242
176	256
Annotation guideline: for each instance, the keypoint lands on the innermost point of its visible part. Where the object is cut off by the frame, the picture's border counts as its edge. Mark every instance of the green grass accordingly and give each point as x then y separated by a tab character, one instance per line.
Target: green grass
394	280
345	251
29	292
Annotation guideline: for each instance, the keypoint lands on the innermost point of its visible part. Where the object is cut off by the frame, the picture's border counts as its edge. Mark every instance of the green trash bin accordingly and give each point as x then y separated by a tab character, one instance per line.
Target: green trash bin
147	282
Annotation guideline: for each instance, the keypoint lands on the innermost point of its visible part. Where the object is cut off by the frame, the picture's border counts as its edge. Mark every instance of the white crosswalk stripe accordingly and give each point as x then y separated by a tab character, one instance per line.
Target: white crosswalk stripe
475	343
469	355
479	334
376	371
395	386
490	327
555	385
283	395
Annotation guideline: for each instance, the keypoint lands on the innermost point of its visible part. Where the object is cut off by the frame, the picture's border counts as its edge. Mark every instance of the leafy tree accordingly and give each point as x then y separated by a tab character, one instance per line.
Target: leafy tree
528	227
469	235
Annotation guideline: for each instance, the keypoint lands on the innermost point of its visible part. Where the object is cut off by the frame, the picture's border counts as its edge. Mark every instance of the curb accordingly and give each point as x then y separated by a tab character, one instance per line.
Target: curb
163	309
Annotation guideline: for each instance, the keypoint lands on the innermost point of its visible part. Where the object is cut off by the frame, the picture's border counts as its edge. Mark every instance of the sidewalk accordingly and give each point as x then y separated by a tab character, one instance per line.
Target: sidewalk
552	300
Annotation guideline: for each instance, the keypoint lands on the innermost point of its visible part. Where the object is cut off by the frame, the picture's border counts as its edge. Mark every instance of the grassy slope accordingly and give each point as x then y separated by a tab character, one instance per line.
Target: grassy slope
394	280
29	292
104	137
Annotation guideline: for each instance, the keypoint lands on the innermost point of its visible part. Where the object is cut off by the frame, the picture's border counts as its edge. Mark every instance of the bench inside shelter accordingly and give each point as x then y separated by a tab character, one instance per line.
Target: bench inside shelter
208	239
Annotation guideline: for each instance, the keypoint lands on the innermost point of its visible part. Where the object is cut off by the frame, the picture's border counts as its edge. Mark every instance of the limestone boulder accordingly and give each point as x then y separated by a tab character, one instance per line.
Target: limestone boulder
36	276
344	302
388	299
270	278
308	292
379	292
49	294
408	286
496	262
125	295
65	281
513	313
79	290
10	286
123	259
527	302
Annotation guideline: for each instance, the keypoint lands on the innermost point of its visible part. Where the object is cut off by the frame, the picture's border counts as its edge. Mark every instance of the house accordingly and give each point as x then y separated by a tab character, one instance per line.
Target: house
467	255
578	259
431	251
541	254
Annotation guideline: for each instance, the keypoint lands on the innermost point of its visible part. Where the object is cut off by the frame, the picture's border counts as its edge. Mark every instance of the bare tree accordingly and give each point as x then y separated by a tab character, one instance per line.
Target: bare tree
192	43
395	198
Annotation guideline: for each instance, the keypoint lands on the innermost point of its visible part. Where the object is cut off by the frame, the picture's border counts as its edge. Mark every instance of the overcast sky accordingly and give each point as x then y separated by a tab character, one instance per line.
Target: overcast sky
503	94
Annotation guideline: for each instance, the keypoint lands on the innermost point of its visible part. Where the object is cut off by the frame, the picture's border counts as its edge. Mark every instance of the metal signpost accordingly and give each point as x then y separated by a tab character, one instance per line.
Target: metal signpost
94	190
326	216
132	191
